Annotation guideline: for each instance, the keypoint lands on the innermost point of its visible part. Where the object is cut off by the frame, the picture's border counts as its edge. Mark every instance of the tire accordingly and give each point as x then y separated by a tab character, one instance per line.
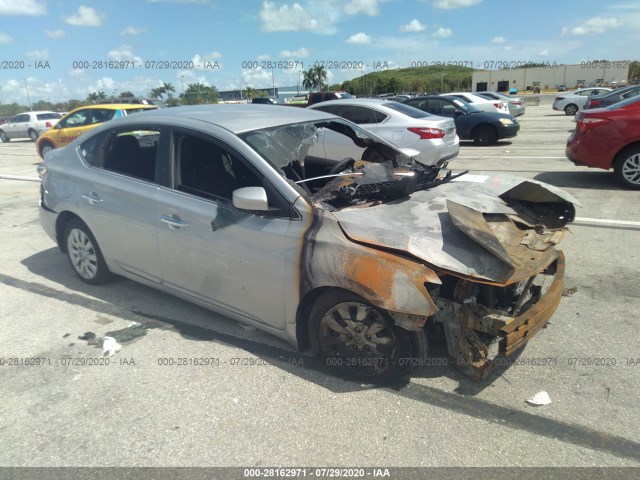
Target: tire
353	336
45	147
627	167
485	135
84	253
571	109
3	137
33	135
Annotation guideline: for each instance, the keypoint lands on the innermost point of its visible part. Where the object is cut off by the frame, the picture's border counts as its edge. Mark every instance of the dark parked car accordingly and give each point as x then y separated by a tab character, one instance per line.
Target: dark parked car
264	100
609	98
484	128
317	97
609	138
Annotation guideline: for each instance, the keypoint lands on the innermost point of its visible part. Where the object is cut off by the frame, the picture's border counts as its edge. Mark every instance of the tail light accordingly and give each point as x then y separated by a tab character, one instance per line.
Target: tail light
589	123
516	102
594	102
428	133
48	124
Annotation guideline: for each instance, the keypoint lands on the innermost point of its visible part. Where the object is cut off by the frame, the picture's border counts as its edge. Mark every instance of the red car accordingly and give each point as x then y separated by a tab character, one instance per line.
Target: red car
609	138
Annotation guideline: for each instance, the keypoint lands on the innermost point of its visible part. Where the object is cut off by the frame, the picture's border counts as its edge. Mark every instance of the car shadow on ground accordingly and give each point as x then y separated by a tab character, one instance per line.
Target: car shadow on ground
592	180
499	143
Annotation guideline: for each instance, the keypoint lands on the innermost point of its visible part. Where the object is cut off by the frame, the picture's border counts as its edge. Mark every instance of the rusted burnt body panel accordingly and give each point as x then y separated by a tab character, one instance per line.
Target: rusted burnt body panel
387	280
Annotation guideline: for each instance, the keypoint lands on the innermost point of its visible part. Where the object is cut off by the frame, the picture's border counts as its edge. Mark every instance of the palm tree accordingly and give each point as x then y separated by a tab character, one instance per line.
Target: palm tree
308	79
168	89
320	76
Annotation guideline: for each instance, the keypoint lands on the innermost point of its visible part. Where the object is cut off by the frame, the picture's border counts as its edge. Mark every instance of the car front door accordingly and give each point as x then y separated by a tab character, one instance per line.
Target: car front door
238	262
18	126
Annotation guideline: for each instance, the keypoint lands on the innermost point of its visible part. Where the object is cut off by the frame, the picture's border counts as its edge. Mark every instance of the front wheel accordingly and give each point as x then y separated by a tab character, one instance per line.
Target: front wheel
84	253
3	137
627	167
485	135
571	109
350	334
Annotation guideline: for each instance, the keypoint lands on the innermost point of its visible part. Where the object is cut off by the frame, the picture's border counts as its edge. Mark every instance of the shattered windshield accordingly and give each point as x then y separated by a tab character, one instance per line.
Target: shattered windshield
337	163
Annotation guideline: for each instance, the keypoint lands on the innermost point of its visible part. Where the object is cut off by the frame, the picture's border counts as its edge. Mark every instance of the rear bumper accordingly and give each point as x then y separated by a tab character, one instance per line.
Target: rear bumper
463	322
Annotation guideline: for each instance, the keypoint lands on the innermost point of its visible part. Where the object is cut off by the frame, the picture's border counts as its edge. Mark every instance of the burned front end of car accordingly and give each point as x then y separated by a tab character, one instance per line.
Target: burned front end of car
492	243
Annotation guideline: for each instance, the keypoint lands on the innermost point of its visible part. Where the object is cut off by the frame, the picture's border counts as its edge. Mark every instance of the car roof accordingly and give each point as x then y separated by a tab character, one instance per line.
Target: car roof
235	118
37	112
353	101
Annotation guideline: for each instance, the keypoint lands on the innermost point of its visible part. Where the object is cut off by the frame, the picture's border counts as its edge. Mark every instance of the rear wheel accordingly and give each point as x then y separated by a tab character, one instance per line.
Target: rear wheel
33	135
352	335
485	135
3	137
84	254
627	167
571	109
45	148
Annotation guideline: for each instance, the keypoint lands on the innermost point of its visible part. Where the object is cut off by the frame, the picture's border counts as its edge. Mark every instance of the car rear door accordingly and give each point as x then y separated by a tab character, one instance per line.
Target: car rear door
238	262
117	196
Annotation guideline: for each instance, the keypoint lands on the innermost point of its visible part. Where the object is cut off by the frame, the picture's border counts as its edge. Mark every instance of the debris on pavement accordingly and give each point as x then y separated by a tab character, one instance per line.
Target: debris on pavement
110	346
539	399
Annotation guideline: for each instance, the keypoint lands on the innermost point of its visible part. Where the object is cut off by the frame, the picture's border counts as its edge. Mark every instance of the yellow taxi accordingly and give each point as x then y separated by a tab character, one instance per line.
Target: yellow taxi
81	120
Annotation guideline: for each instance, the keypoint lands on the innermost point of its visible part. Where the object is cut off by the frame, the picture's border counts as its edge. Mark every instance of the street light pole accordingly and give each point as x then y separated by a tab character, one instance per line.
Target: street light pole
27	89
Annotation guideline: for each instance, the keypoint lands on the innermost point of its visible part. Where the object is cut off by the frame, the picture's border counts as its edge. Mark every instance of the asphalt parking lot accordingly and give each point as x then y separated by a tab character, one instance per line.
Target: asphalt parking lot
255	402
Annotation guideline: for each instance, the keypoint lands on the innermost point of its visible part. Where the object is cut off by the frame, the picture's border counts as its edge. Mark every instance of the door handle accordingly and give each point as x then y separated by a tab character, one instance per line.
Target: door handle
173	221
92	198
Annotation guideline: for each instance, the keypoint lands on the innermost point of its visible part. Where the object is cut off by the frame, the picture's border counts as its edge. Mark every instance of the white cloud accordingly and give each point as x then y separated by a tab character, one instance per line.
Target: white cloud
124	52
368	7
451	4
85	17
264	57
543	53
318	18
4	38
499	40
594	26
299	53
443	33
360	38
413	26
38	54
133	31
21	7
78	72
207	61
59	33
257	78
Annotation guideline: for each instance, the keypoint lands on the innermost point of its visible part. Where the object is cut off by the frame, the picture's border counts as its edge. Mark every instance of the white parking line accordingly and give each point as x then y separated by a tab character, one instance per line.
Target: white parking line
511	156
19	177
605	221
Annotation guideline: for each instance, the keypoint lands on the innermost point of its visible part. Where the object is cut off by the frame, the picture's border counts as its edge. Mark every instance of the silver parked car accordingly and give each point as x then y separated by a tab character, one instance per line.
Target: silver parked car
402	125
222	205
515	104
572	102
28	125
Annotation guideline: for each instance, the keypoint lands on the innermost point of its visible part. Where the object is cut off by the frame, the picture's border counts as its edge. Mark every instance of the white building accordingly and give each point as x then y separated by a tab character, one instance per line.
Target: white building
585	74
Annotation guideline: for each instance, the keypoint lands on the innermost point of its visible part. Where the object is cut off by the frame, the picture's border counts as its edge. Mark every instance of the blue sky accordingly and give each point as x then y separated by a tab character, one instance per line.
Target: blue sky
64	37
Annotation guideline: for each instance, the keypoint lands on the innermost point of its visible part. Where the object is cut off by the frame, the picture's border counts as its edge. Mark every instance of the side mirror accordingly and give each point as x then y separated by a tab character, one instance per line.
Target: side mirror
253	199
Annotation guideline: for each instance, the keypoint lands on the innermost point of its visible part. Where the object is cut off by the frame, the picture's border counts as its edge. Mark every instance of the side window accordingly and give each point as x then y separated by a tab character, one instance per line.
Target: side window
100	115
358	115
76	119
379	117
207	169
630	94
21	118
129	151
328	109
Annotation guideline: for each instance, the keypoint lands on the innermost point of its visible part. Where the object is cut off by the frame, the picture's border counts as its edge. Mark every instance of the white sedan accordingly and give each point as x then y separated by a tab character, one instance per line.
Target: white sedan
401	125
481	103
572	102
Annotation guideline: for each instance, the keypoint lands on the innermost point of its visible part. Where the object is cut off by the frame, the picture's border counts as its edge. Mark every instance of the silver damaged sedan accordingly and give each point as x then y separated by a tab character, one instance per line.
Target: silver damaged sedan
356	257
